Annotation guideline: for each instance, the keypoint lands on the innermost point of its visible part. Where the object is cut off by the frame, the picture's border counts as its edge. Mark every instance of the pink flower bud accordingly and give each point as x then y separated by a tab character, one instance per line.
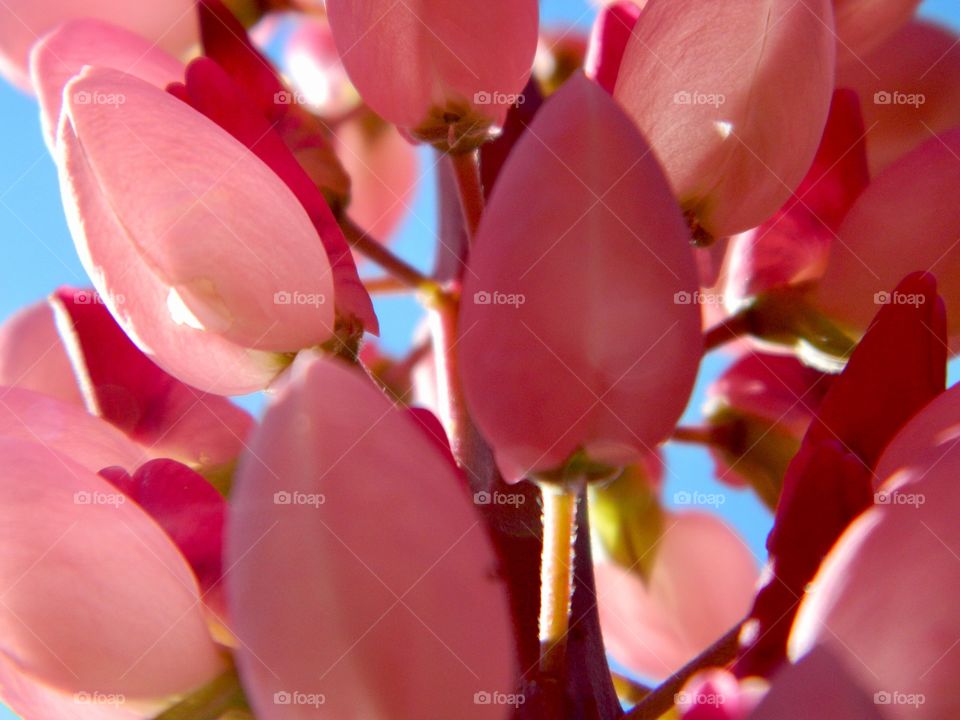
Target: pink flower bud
220	267
355	551
608	41
733	97
909	88
171	25
437	64
576	298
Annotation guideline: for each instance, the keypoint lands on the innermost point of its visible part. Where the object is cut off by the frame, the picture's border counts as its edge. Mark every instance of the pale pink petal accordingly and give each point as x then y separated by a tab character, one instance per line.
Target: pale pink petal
818	686
313	65
733	97
125	387
701	585
356	551
383	173
32	355
208	217
87	440
909	89
66	50
413	61
863	25
906	220
575	286
138	299
96	597
30	698
884	598
171	25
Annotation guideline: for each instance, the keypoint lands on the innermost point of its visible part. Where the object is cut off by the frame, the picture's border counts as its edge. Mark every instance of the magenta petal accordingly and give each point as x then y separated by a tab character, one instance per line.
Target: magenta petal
125	387
576	287
32	355
354	550
96	596
64	52
608	41
186	506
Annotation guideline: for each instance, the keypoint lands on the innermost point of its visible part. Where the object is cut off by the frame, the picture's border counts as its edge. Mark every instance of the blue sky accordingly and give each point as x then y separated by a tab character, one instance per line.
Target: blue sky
38	256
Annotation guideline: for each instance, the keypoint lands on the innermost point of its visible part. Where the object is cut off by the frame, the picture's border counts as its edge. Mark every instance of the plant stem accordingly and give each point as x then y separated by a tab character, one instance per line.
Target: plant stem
662	698
730	328
696	435
387	285
466	168
403	271
556	571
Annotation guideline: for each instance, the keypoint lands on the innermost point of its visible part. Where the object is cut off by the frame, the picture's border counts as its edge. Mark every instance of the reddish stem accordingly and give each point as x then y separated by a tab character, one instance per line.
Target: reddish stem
466	168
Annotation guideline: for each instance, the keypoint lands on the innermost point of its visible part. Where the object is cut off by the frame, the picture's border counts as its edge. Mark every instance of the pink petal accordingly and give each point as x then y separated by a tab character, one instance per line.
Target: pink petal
32	355
701	584
383	171
793	246
211	91
171	25
218	227
907	220
30	698
66	50
734	143
411	61
608	41
355	551
125	387
96	597
88	441
863	25
575	286
311	60
186	506
909	89
884	598
818	686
